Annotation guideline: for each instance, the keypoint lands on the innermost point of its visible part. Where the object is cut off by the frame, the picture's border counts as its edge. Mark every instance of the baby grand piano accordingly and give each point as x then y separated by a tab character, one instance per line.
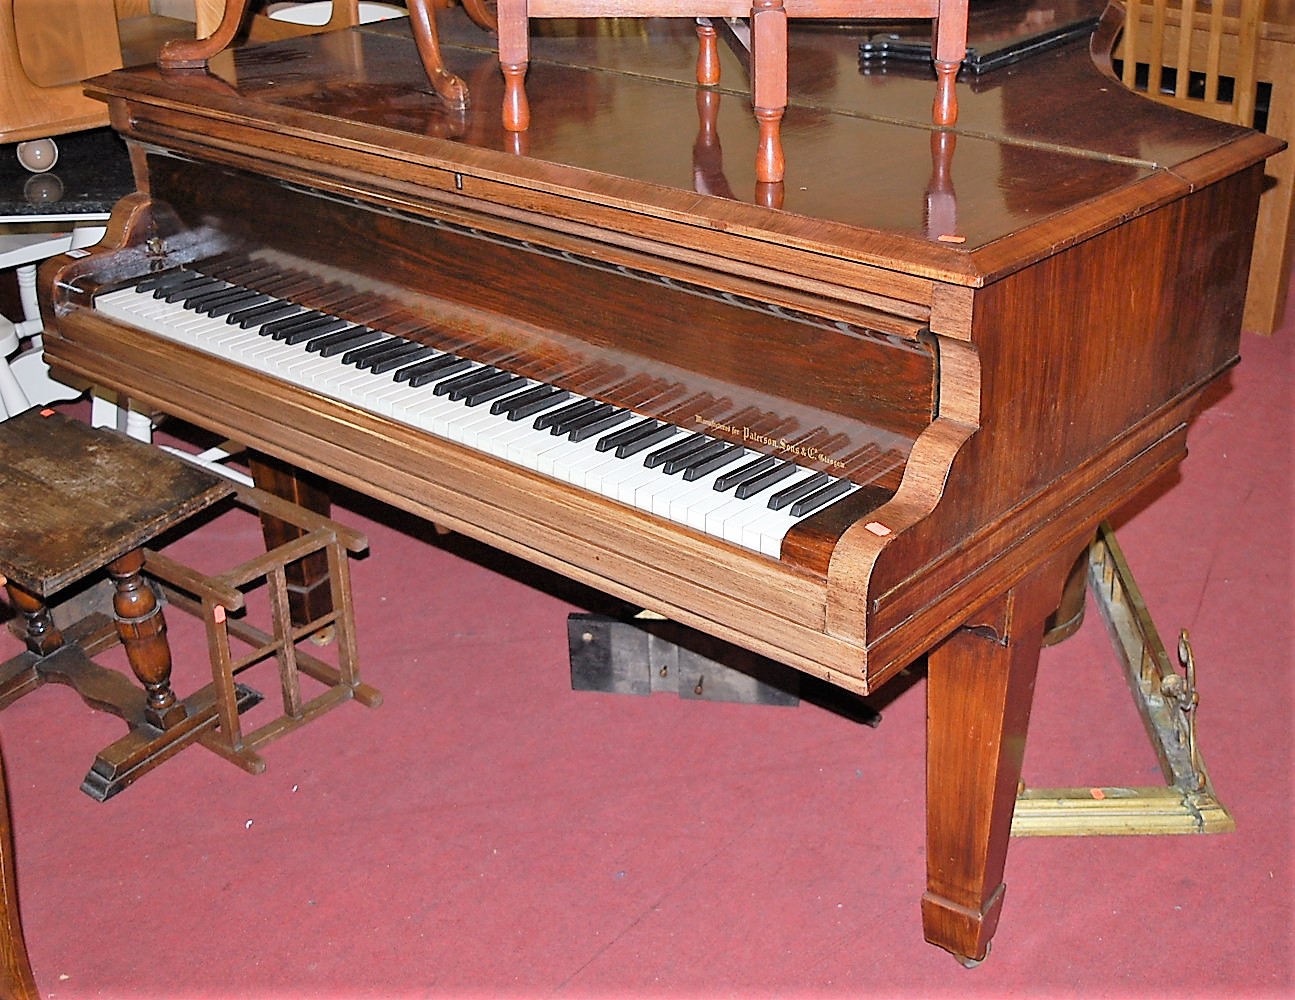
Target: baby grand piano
869	417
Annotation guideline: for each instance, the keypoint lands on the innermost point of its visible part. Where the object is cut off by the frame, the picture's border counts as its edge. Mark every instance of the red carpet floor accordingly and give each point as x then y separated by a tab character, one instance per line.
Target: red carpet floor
488	832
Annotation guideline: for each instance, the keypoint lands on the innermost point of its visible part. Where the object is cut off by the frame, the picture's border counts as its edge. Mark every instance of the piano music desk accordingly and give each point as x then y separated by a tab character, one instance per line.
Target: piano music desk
949	322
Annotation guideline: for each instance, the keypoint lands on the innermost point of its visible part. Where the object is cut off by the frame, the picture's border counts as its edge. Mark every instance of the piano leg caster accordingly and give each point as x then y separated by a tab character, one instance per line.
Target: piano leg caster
971	963
964	932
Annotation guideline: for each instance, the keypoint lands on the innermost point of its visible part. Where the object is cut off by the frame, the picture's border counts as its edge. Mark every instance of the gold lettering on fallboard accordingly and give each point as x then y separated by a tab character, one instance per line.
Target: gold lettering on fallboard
779	445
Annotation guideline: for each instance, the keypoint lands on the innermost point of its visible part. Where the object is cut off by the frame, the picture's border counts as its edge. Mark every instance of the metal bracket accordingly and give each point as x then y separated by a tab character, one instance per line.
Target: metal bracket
1167	701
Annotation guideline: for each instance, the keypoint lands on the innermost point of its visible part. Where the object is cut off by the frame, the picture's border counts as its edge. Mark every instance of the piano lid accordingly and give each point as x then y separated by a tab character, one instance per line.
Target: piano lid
617	119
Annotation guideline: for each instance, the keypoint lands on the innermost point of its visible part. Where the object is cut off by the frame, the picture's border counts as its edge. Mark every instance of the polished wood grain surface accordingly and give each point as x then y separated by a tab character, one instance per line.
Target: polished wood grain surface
965	294
858	145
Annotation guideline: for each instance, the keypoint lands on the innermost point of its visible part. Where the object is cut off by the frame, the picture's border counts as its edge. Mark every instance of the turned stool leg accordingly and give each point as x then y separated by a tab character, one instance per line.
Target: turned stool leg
707	53
142	630
949	48
514	55
41	636
769	86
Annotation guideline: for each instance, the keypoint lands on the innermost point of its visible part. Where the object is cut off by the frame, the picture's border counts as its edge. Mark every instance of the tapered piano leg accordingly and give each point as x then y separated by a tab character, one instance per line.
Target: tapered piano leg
980	685
309	595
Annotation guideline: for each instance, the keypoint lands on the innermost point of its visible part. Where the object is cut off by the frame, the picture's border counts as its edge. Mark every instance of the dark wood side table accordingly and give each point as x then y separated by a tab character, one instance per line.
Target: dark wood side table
74	500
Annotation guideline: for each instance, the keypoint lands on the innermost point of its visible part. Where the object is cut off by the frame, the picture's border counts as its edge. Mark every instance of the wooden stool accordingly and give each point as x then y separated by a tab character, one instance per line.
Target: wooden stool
763	39
74	500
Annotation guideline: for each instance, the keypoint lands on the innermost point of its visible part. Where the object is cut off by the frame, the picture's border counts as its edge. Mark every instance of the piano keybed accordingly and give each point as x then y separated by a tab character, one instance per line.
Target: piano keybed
592	425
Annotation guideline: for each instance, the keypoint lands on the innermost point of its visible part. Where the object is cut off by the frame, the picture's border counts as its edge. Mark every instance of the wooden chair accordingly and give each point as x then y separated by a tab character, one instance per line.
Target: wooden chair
768	50
196	53
1236	52
1210	69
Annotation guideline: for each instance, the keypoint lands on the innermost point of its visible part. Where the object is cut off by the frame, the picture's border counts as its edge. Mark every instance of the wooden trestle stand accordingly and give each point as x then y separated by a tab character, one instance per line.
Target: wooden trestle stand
1167	701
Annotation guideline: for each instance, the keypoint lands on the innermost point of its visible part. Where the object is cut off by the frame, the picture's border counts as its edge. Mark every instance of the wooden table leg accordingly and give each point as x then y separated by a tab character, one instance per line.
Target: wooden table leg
142	630
980	686
41	634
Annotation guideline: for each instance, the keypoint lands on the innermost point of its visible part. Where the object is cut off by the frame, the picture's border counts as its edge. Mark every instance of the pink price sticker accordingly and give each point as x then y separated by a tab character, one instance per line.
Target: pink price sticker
877	528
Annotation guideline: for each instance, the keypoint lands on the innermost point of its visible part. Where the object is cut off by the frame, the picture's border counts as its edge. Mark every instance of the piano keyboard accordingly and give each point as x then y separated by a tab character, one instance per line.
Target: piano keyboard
709	484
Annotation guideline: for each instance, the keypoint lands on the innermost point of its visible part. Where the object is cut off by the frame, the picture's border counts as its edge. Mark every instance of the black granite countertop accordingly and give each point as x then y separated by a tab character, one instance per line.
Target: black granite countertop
92	172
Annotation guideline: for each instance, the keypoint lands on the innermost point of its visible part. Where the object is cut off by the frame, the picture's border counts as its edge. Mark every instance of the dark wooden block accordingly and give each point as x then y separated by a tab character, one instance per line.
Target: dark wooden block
643	655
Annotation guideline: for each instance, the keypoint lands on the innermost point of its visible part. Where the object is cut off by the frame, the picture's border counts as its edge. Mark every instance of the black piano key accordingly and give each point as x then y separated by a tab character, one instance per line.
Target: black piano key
528	403
318	322
816	500
765	480
645	441
219	285
247	299
361	356
256	315
331	344
793	493
404	355
493	388
168	282
180	292
589	427
318	327
705	466
691	455
156	278
459	385
218	305
402	374
297	319
578	420
546	420
745	472
635	430
430	371
677	450
199	301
